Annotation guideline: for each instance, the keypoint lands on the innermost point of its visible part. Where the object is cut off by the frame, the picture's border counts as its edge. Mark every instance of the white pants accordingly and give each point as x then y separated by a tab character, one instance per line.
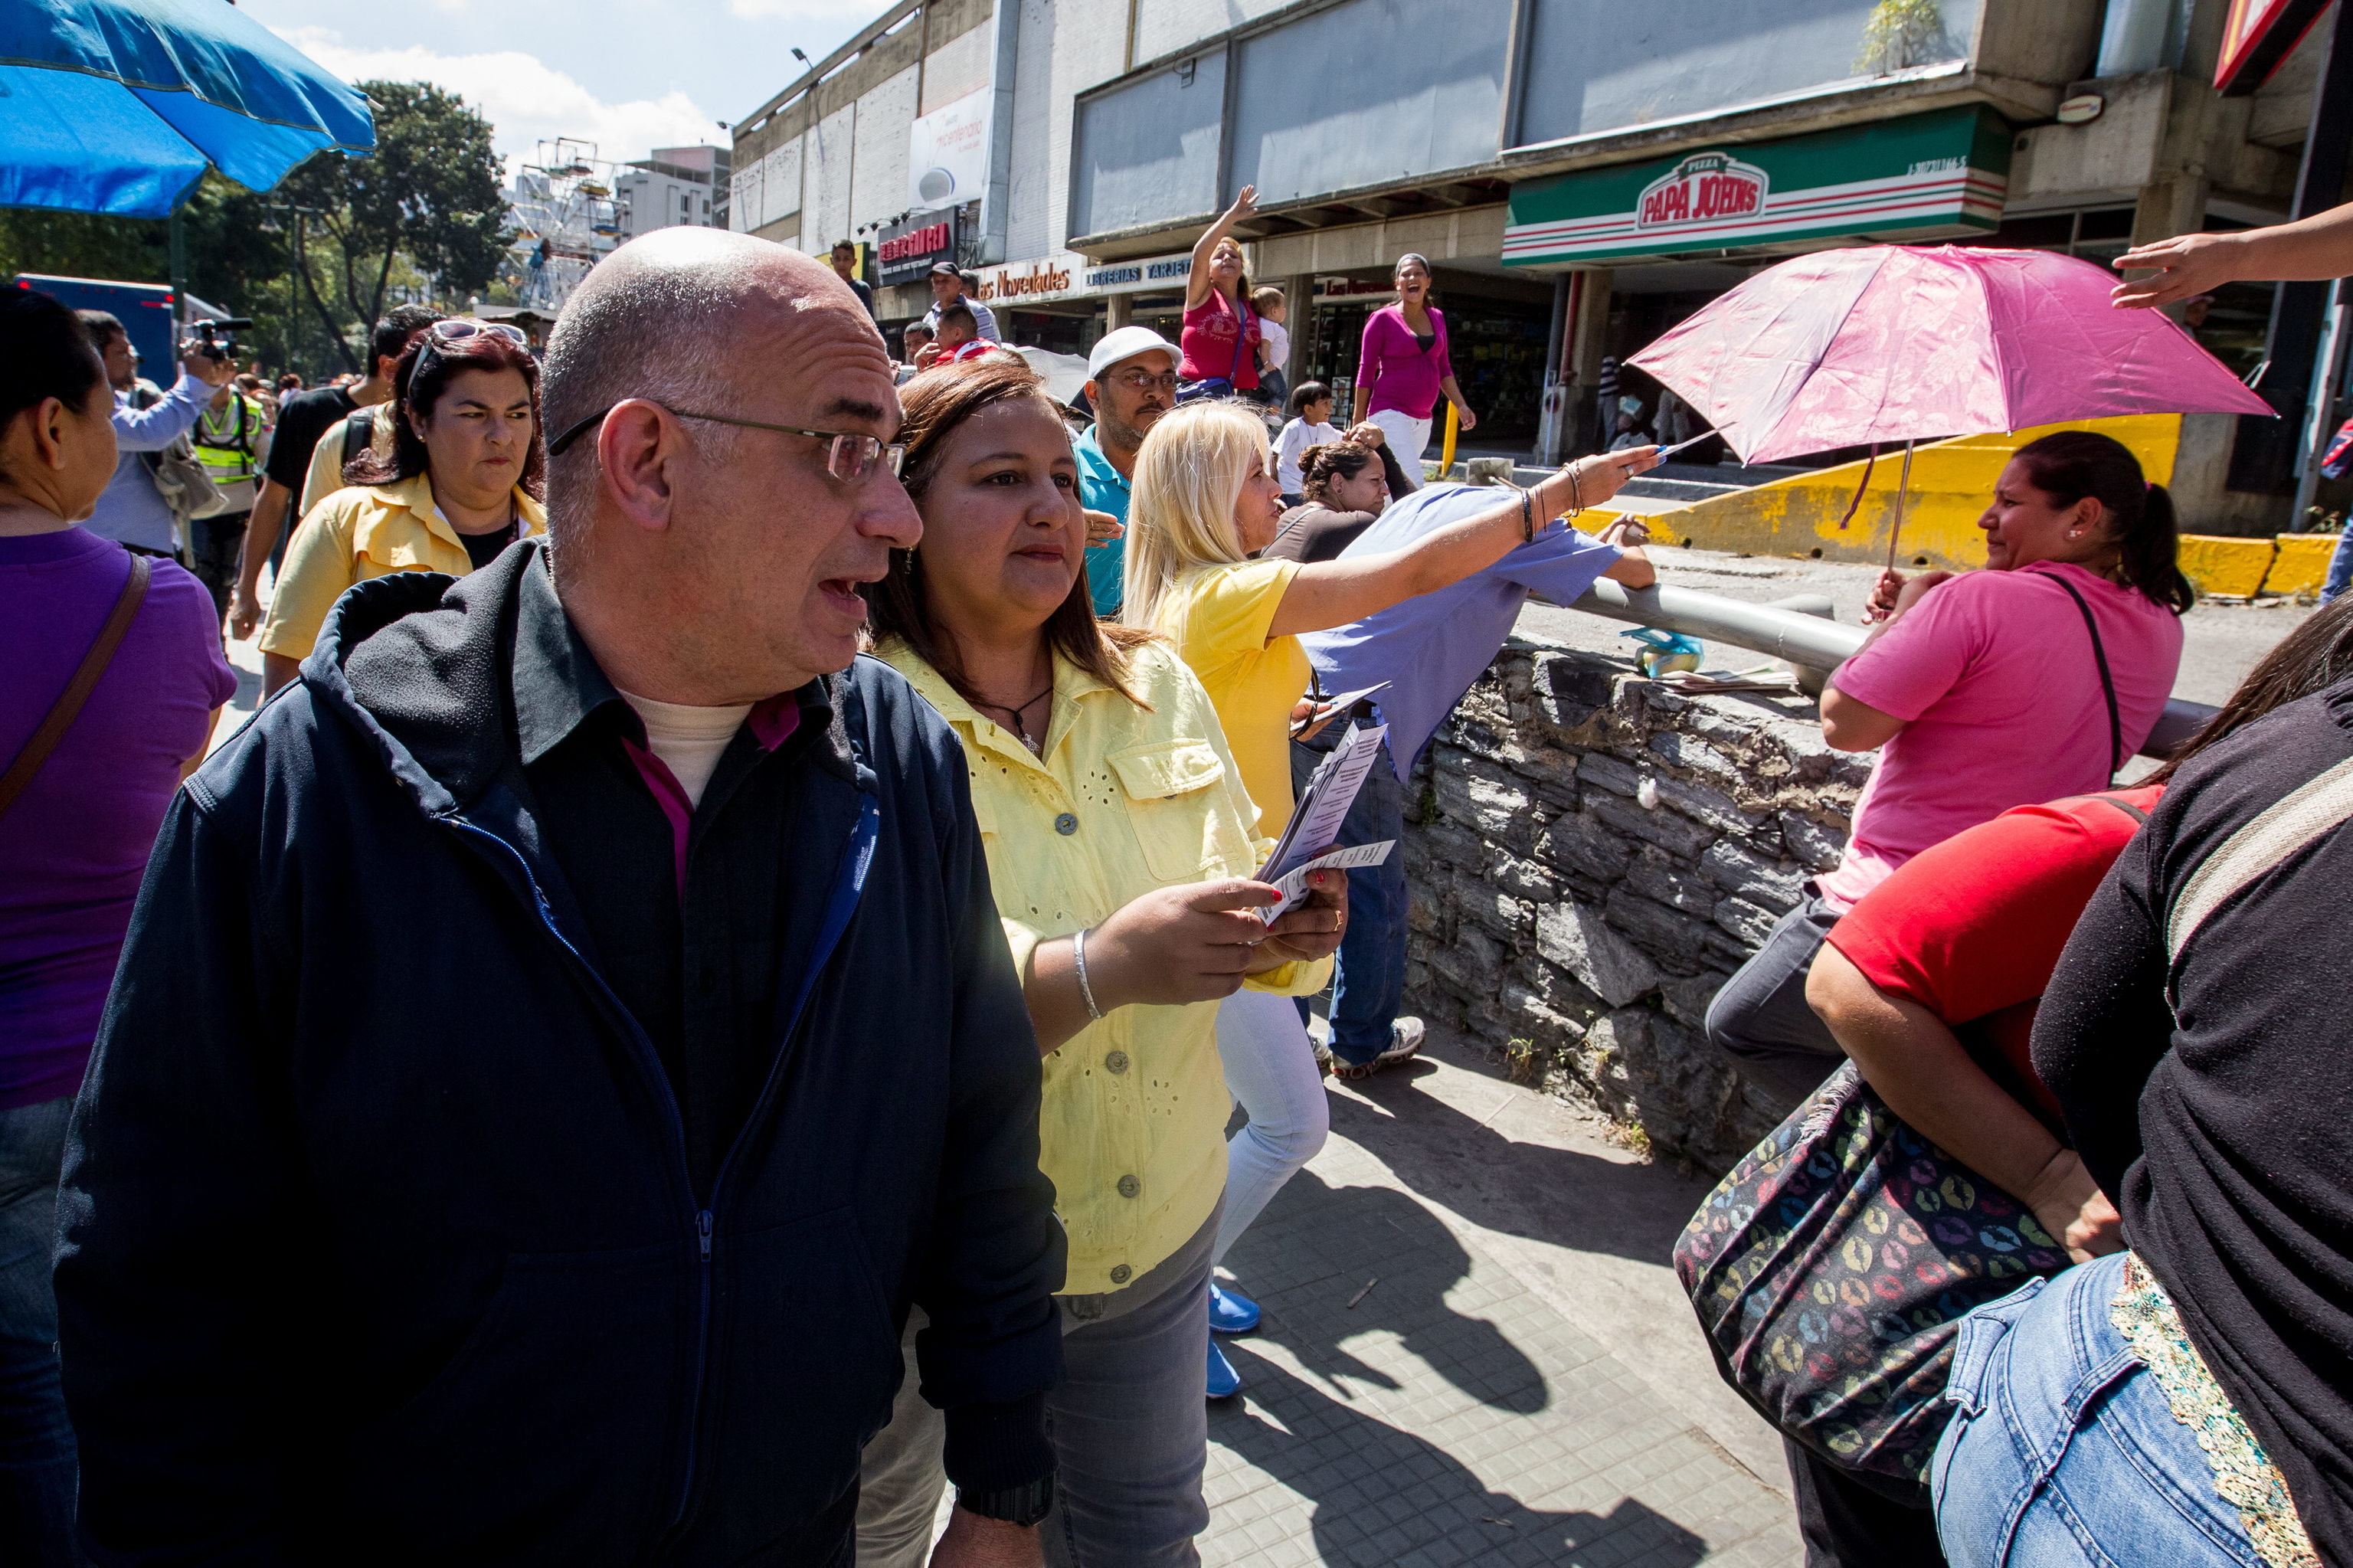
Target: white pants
1407	437
1271	1073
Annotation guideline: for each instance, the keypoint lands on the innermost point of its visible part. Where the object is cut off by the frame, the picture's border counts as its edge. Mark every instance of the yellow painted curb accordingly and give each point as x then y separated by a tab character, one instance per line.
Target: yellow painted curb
1952	482
2236	567
2302	564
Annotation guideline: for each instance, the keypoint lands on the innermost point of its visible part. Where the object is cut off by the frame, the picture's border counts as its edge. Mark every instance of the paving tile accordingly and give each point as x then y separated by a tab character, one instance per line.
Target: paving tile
1451	1416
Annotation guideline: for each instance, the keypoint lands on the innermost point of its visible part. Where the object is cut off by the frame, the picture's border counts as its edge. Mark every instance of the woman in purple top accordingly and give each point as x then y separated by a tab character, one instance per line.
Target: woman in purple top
1220	336
73	839
1403	367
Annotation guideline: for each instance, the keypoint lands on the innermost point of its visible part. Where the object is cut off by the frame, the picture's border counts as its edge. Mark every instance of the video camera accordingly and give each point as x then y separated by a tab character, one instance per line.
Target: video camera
218	339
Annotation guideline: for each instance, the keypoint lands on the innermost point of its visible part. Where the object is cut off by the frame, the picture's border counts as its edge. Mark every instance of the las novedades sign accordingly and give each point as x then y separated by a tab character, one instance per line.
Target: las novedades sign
1924	176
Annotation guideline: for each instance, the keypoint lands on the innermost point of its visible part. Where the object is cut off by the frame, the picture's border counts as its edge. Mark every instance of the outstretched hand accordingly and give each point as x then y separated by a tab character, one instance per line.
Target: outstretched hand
2184	266
1604	475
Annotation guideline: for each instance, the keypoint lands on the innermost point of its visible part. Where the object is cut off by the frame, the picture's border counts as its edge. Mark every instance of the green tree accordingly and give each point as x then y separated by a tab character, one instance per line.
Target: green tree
428	197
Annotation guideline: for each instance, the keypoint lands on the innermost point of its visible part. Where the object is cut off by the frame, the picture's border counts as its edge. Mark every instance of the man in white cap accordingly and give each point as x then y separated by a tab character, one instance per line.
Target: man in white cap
1132	381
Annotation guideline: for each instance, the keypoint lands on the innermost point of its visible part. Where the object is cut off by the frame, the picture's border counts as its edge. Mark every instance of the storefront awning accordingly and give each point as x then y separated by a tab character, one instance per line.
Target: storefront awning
1922	178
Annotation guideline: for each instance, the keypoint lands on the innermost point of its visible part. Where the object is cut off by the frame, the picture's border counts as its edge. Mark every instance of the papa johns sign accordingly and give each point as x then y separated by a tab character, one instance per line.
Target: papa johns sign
1703	188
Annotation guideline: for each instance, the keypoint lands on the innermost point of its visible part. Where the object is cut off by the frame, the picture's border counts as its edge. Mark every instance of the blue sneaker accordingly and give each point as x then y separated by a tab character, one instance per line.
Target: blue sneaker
1231	1313
1224	1381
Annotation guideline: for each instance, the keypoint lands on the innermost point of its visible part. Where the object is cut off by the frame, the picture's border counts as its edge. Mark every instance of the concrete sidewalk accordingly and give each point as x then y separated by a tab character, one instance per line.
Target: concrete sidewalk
1475	1351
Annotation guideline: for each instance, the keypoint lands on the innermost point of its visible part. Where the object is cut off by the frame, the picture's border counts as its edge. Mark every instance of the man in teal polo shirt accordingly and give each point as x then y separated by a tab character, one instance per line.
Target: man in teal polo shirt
1131	382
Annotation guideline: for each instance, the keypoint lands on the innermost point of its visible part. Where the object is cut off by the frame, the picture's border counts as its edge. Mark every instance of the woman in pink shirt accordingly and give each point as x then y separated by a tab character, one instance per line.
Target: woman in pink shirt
2032	680
1403	367
1220	334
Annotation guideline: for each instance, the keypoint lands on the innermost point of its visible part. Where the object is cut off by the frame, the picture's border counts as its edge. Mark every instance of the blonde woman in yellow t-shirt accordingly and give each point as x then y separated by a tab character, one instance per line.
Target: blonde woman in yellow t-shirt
1120	850
1206	500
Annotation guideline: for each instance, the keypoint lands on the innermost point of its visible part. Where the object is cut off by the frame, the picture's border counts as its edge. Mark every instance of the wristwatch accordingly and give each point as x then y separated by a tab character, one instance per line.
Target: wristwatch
1024	1505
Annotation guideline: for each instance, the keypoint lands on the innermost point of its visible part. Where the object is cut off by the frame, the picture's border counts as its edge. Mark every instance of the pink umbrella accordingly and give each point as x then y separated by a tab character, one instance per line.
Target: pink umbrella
1885	343
1888	342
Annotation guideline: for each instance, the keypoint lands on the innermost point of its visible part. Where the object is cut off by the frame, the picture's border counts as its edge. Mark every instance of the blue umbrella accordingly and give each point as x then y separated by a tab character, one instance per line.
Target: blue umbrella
116	106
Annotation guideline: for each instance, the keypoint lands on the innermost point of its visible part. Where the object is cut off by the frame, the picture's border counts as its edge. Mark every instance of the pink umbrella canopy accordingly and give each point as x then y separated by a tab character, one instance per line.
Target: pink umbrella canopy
1888	342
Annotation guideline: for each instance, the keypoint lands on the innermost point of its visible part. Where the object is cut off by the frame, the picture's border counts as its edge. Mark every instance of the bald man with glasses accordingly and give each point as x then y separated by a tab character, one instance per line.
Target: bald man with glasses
563	1035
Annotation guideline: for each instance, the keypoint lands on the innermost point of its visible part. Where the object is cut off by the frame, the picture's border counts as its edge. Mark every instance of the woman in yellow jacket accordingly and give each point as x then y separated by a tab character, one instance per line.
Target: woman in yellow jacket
462	482
1120	847
1207	500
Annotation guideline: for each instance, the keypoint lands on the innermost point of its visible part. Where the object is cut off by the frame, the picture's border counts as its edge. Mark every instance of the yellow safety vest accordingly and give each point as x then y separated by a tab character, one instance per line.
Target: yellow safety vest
226	447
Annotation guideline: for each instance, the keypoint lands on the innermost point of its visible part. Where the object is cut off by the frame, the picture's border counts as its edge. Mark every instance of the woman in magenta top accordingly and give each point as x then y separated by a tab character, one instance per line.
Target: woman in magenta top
1220	336
74	839
1981	692
1403	369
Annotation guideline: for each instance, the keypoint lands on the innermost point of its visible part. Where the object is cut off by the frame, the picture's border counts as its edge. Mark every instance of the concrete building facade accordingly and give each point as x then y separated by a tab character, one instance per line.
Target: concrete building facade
1575	171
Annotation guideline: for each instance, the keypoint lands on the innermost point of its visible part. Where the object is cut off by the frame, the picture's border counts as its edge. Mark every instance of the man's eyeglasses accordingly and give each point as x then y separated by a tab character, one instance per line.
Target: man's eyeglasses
849	456
1143	381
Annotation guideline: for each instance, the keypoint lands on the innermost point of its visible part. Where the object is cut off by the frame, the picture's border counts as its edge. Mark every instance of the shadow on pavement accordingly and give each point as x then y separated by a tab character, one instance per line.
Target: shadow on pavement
1586	1202
1311	1253
1382	1496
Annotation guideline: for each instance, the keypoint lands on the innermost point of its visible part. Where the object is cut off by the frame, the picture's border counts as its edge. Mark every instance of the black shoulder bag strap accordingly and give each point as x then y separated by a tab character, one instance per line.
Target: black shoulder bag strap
63	711
1242	340
2107	683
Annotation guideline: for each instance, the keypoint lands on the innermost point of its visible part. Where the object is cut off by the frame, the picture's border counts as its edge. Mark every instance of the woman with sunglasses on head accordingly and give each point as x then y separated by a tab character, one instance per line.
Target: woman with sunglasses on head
1206	502
461	482
1119	849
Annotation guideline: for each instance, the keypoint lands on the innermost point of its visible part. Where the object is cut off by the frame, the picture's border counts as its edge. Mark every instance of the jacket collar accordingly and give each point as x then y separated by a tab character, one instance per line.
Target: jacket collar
1073	685
415	494
556	685
423	665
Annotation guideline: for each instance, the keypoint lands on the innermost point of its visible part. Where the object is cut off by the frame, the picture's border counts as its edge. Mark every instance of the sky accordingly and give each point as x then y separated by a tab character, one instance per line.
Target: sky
628	75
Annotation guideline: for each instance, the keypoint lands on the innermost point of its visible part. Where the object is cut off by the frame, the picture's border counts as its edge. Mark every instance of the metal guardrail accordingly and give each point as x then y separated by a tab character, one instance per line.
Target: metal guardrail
1806	640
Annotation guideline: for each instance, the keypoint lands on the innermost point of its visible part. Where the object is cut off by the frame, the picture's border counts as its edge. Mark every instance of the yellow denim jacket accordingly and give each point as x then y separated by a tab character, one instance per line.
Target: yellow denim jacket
366	531
1133	1127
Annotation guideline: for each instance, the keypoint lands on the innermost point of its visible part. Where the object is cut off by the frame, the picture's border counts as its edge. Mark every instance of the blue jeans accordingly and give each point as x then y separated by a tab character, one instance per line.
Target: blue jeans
2340	569
36	1445
1368	978
2062	1452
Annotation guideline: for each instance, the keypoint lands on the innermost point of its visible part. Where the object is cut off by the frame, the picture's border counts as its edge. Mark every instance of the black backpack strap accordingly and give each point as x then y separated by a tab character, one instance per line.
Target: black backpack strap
359	428
2107	683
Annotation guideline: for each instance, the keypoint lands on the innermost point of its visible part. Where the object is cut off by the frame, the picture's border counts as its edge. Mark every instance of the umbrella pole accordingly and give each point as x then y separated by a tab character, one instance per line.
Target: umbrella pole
1903	483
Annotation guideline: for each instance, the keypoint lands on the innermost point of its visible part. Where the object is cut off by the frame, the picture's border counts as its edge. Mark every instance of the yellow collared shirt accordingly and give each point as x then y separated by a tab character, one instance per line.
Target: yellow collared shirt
1125	799
366	531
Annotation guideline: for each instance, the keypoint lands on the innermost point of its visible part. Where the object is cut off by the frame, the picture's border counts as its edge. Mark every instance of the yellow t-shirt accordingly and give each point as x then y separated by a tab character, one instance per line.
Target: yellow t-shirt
1217	616
366	531
1125	799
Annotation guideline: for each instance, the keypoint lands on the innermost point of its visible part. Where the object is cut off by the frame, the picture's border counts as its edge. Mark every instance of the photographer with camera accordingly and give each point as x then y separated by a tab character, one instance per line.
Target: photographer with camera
134	511
232	441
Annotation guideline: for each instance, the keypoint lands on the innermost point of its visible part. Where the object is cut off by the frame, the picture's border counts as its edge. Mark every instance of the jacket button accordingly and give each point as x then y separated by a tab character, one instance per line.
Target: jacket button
1129	1186
1066	825
1121	1274
1117	1062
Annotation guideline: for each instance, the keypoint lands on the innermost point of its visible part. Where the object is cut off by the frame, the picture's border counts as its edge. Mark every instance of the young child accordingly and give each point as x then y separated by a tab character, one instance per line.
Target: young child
1311	426
1273	346
959	338
915	337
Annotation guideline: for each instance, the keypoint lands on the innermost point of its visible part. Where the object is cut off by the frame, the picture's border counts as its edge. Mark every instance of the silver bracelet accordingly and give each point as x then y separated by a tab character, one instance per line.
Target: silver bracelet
1079	963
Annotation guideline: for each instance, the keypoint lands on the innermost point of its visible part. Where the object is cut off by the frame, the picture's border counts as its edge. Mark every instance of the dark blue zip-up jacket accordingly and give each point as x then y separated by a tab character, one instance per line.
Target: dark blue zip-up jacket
378	1239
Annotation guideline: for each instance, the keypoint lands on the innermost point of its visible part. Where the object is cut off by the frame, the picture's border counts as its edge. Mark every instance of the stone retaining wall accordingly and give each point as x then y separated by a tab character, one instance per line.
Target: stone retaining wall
1590	854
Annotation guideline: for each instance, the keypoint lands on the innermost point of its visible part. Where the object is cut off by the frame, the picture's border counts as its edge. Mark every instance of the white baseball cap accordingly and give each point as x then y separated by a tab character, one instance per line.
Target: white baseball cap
1127	344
